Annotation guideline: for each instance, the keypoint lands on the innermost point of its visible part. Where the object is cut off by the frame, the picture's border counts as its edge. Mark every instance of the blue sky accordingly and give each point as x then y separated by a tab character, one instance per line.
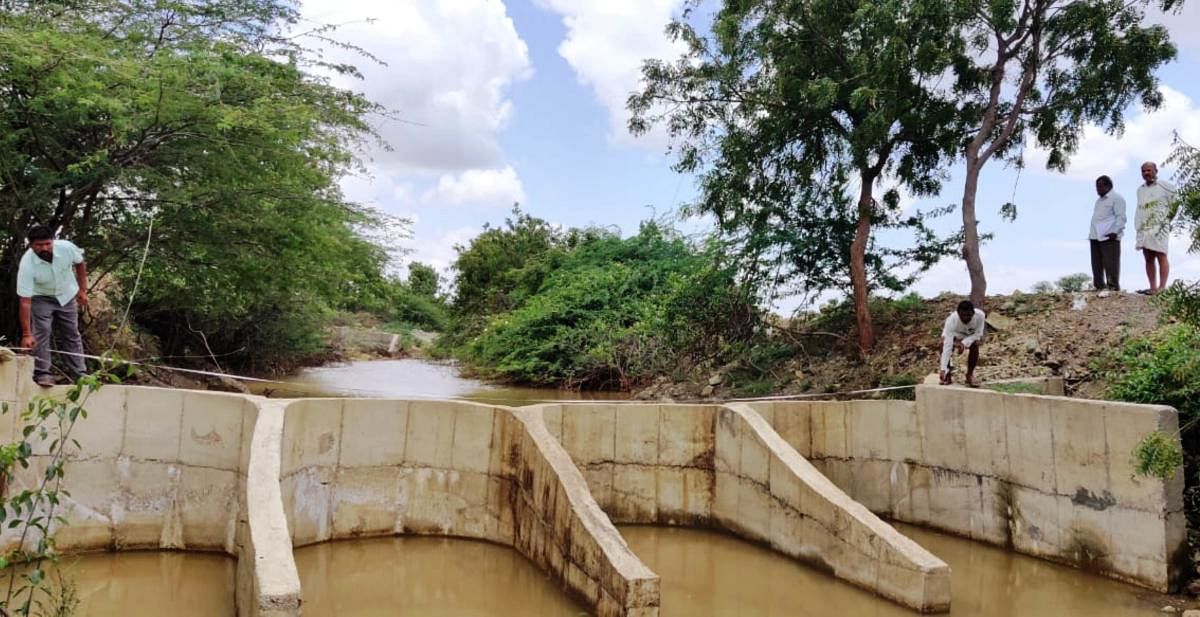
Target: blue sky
522	100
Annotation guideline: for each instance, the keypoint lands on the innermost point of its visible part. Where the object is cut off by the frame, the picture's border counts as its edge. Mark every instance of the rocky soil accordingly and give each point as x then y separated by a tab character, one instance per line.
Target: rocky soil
1028	335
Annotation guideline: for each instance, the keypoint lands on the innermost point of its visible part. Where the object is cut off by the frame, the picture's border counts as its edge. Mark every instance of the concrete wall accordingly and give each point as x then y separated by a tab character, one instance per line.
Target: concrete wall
1046	476
726	468
155	469
354	468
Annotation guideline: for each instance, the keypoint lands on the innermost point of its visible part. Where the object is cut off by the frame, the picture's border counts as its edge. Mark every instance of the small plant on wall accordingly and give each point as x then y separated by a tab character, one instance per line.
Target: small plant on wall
32	468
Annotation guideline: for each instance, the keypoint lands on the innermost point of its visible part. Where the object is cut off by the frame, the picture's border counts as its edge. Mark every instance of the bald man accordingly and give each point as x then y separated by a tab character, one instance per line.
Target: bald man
1156	205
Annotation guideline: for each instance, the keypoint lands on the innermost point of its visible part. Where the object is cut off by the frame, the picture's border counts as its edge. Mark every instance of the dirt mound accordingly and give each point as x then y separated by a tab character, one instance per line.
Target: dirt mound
1028	335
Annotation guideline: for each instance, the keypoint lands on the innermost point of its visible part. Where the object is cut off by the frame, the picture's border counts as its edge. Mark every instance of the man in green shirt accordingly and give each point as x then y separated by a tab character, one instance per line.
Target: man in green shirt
52	283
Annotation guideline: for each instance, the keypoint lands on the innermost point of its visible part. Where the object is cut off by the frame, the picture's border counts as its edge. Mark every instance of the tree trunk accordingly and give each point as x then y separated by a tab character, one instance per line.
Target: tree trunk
971	232
858	268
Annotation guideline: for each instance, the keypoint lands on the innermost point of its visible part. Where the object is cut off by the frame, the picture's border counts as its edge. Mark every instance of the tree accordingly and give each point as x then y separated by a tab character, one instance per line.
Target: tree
488	269
1049	68
199	119
785	106
422	279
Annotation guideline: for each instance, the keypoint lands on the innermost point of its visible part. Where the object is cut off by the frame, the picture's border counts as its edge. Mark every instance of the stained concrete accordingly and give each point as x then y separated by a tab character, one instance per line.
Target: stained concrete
357	468
167	469
1046	476
724	467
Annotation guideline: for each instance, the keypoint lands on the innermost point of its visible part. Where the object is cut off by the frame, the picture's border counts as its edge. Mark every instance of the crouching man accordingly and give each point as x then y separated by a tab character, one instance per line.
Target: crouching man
963	331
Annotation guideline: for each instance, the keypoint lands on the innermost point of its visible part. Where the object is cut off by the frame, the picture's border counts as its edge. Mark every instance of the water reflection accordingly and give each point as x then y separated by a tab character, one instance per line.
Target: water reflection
430	577
411	378
706	574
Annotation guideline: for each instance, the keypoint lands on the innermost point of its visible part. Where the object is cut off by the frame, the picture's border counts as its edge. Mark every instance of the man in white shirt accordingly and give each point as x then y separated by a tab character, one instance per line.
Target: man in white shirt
1108	223
51	284
963	331
1155	209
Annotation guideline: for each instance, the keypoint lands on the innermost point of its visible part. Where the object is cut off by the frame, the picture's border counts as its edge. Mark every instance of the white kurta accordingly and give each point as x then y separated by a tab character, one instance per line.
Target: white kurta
968	333
1153	218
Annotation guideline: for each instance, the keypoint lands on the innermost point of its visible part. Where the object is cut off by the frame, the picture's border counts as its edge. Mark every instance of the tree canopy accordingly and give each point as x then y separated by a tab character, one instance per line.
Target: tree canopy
795	113
1046	69
208	120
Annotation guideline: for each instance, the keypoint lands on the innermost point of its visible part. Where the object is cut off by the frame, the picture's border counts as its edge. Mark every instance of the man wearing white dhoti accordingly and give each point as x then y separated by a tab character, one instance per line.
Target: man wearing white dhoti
1156	205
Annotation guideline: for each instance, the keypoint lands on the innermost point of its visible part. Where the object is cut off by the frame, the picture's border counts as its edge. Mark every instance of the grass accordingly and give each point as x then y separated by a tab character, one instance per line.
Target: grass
1016	387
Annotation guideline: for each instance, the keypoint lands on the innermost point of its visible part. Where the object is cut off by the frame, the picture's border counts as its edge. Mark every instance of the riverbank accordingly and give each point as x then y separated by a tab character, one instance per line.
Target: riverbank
1029	335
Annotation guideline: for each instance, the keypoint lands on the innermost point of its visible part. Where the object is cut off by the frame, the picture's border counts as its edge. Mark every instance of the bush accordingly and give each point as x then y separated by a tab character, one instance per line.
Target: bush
613	313
1073	282
1161	368
1043	287
903	379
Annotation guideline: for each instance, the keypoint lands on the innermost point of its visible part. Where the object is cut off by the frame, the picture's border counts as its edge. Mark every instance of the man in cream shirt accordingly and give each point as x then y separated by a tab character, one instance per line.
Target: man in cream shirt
51	283
1156	204
1108	223
963	331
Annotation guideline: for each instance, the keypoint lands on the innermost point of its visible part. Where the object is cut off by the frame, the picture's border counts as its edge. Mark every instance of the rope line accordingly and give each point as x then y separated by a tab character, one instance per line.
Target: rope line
294	385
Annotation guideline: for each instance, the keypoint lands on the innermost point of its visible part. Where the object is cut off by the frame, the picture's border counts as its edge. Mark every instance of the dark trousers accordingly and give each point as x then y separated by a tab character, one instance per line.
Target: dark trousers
1106	264
48	316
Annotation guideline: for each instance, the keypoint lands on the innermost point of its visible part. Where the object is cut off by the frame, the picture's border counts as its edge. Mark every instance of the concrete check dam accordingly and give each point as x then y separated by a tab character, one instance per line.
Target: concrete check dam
611	508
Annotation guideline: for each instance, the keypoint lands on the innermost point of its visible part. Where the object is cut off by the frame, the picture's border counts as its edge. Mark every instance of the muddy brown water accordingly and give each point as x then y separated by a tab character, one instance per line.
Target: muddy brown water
704	574
410	378
151	584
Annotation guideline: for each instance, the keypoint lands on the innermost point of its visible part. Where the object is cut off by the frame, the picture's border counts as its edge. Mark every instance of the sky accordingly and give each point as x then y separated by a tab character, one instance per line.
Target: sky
502	101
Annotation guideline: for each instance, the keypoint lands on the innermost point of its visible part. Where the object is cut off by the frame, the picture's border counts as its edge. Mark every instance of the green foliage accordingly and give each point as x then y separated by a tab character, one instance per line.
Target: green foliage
1042	71
1073	282
599	311
201	119
1157	455
780	123
900	380
1016	387
909	303
1160	368
1043	287
31	500
422	279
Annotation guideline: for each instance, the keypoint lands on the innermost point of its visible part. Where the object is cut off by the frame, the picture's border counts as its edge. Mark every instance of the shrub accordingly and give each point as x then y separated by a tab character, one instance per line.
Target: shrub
1161	368
1073	282
1043	287
614	312
903	379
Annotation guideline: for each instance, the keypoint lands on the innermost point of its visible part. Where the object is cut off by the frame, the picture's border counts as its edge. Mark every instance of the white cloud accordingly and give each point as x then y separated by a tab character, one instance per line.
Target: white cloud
450	64
1147	137
487	187
1184	26
606	44
438	251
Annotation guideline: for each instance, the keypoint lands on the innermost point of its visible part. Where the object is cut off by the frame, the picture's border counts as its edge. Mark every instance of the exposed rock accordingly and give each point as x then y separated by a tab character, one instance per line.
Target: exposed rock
1191	612
221	383
707	391
999	323
1169	609
715	380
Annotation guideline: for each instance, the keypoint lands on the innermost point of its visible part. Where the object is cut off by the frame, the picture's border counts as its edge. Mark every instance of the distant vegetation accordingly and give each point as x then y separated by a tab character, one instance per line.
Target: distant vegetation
585	308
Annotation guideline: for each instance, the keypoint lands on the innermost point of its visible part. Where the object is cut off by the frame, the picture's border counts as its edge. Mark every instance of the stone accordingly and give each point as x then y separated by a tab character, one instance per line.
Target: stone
715	380
999	322
707	391
1191	612
1169	609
